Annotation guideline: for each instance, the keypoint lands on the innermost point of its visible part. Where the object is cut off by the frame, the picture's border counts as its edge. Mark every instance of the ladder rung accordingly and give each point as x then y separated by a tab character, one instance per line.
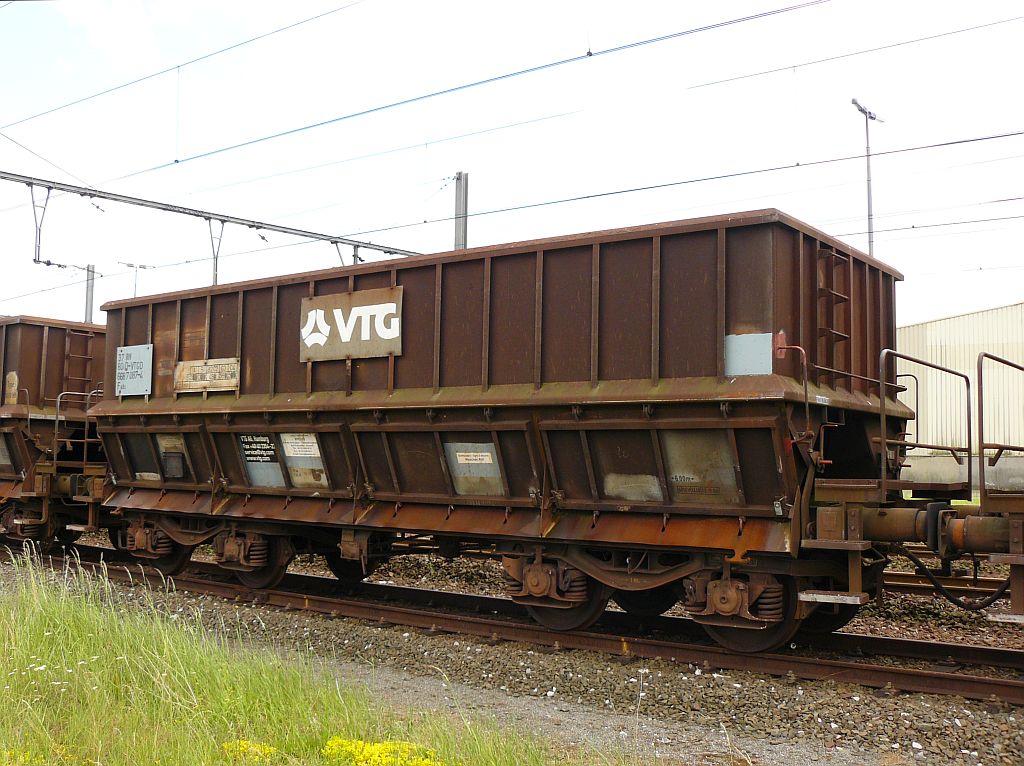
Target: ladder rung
840	297
836	333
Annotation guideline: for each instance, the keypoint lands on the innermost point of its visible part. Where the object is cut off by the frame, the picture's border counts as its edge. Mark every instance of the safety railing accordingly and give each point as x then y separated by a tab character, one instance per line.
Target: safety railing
984	446
917	398
958	452
85	441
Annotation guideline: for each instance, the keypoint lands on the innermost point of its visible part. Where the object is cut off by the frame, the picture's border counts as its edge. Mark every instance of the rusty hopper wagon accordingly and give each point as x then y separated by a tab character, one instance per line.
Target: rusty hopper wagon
52	469
685	412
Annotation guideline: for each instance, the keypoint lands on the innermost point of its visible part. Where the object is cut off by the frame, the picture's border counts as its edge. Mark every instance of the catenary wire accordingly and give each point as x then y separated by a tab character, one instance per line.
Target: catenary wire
41	157
382	152
702	85
688	181
196	60
474	84
919	226
851	54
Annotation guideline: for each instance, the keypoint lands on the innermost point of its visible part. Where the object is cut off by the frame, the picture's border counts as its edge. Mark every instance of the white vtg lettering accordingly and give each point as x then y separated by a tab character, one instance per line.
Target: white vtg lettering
382	317
378	313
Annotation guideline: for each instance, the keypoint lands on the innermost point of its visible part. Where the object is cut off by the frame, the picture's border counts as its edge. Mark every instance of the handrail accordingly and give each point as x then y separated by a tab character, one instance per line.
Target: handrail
28	409
917	402
982	444
56	415
883	358
780	352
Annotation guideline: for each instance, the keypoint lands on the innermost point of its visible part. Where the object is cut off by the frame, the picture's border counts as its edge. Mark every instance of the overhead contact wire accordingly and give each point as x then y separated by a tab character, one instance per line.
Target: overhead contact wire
851	54
39	156
478	83
685	182
196	60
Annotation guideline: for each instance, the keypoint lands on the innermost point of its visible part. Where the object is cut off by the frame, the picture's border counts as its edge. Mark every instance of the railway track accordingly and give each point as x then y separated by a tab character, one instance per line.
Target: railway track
839	657
960	585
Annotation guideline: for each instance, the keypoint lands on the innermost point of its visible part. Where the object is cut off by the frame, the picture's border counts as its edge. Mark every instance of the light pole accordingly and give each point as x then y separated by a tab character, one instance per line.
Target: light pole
136	267
868	116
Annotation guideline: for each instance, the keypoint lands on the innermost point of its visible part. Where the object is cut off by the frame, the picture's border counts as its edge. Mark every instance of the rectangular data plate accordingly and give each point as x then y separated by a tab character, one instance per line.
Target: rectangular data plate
207	375
133	371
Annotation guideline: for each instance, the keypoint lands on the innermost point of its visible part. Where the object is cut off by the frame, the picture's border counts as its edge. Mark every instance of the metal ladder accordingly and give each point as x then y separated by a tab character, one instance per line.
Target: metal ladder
98	468
81	382
833	273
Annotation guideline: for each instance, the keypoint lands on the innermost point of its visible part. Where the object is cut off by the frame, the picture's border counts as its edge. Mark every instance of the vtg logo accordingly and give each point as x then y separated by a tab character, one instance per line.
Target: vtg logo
382	317
366	323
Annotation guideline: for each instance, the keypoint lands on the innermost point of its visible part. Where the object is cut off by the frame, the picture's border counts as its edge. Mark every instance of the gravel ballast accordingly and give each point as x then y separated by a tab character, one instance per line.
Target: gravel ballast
679	711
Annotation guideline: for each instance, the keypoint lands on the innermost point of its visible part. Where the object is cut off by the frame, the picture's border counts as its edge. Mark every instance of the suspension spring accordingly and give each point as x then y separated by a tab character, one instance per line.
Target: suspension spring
259	553
162	544
770	603
576	588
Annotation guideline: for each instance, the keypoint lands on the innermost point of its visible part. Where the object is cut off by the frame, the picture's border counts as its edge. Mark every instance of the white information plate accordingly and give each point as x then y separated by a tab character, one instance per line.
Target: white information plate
133	374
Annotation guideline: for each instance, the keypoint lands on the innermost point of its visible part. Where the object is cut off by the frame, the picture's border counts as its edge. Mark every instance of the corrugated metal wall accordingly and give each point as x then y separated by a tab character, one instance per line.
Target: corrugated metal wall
955	343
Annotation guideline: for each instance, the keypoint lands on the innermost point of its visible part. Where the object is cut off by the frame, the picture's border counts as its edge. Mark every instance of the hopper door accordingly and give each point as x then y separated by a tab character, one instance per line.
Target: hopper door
695	466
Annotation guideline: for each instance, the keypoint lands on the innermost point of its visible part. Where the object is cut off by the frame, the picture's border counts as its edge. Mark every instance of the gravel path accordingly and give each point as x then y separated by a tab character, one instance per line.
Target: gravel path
682	713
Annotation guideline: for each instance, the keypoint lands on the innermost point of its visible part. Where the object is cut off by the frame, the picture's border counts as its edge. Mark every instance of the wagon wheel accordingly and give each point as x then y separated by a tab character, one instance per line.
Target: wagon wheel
761	639
279	556
348	571
114	534
648	603
171	563
828	618
578	617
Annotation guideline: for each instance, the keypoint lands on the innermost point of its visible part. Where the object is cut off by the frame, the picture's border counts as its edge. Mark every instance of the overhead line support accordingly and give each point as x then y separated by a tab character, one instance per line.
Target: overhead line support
38	213
85	191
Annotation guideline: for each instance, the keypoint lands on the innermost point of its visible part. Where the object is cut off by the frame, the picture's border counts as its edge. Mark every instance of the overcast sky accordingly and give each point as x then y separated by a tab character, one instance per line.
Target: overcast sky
662	112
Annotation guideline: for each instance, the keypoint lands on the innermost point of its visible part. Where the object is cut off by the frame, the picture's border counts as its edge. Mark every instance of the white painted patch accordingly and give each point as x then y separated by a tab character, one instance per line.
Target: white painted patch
749	354
637	487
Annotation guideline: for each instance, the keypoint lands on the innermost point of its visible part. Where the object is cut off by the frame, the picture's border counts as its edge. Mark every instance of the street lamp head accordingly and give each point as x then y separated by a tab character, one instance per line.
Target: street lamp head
865	112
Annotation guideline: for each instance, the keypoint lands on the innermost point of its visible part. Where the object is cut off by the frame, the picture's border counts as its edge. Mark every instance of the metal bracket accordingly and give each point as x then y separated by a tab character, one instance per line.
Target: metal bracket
215	241
38	214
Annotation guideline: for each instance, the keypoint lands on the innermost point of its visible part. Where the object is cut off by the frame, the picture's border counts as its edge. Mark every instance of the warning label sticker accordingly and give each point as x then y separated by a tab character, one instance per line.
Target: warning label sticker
474	458
300	445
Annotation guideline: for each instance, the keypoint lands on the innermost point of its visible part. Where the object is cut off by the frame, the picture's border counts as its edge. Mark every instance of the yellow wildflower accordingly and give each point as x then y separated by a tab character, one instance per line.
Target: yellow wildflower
19	758
360	753
251	752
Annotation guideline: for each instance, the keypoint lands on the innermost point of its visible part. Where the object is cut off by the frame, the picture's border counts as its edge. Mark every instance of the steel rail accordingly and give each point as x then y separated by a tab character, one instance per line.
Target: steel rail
499	628
313	593
913	583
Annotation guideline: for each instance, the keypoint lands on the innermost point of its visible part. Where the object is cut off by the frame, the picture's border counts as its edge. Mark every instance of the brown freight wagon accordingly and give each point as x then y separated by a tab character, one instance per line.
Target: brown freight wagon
643	412
52	468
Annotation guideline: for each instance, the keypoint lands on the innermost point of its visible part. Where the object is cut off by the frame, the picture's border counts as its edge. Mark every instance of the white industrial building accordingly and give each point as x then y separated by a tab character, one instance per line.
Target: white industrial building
940	399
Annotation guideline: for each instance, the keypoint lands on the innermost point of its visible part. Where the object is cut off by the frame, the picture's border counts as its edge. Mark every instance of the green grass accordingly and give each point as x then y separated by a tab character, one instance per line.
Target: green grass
89	680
